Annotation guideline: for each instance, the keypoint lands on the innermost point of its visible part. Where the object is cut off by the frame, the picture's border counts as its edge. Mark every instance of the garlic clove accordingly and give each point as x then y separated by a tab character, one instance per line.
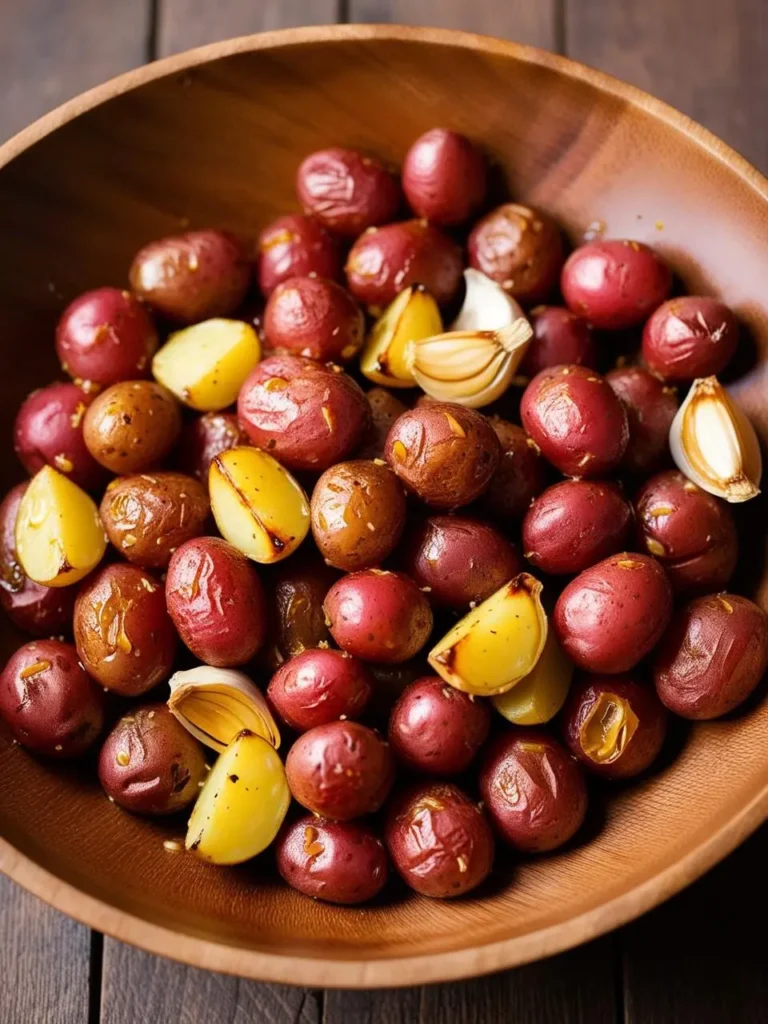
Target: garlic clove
413	315
216	704
486	306
714	444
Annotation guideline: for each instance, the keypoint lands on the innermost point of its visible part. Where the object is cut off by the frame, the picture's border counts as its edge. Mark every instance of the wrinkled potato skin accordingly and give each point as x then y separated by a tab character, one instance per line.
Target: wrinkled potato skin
300	590
132	426
444	177
318	687
346	191
559	337
148	516
385	409
312	317
677	346
296	246
535	793
521	474
651	407
206	437
712	657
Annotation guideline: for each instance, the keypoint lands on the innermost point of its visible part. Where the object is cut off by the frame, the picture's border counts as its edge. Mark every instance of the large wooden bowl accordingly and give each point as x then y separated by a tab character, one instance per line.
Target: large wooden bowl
214	137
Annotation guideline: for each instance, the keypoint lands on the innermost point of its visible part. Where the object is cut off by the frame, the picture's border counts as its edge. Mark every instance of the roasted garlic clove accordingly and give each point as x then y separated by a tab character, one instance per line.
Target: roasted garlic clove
538	698
414	314
486	306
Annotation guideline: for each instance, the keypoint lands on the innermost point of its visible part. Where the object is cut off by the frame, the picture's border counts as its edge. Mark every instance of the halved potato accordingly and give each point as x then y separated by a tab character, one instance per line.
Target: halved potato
413	315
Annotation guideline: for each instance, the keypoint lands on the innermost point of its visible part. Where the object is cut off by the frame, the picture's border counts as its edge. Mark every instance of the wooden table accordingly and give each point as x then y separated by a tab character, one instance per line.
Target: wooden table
701	958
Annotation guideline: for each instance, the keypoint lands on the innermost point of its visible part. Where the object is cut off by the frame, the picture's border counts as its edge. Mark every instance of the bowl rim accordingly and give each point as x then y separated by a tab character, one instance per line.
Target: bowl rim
421	968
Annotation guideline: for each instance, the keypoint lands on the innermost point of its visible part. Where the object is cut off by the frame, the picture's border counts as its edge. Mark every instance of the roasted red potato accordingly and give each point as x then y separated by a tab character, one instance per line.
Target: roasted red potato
206	437
688	337
651	408
300	589
385	409
296	246
312	317
521	474
132	426
319	686
444	177
560	337
346	191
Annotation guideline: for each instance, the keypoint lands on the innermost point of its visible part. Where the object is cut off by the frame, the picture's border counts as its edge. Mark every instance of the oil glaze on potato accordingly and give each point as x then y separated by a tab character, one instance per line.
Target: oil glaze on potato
690	336
444	177
206	437
346	191
559	337
319	686
296	246
132	426
651	408
313	317
521	474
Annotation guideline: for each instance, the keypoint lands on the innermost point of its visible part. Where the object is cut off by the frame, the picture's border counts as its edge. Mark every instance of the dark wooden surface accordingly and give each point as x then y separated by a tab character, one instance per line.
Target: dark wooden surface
699	959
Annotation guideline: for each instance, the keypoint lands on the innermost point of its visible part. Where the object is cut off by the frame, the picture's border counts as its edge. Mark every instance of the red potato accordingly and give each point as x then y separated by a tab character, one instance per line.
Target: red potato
444	177
346	191
533	790
312	317
521	474
436	729
378	616
576	420
319	686
300	589
615	284
106	336
439	840
385	409
206	437
690	336
574	524
341	770
651	408
48	702
307	415
614	725
385	261
296	246
559	337
216	602
692	533
712	657
611	615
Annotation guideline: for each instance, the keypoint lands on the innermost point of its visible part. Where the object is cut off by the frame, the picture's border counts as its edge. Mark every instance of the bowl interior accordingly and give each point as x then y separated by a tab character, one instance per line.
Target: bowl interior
218	144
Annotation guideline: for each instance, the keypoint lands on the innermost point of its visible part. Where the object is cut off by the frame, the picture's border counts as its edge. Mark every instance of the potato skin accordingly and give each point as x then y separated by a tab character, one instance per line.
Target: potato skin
439	840
690	336
712	657
123	634
150	764
574	524
385	409
651	407
614	613
346	191
534	791
48	702
300	589
148	516
358	514
336	861
520	476
319	686
206	437
444	177
341	770
444	453
378	616
313	317
559	337
192	277
576	420
132	426
296	246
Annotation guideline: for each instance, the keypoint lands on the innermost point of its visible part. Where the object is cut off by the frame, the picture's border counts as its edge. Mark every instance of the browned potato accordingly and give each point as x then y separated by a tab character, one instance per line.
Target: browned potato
521	476
520	248
385	409
206	437
132	426
300	590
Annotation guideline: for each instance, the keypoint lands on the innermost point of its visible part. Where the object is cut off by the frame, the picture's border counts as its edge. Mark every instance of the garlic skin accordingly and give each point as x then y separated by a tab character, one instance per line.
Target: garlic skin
216	704
714	444
486	306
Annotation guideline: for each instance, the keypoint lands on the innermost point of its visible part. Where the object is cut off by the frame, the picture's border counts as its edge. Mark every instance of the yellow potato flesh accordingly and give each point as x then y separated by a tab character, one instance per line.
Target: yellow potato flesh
59	535
497	644
257	504
538	697
206	365
242	804
413	315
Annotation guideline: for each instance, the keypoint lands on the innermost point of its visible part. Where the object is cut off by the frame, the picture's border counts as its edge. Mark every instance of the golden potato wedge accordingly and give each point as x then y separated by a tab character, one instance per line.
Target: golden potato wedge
412	316
538	698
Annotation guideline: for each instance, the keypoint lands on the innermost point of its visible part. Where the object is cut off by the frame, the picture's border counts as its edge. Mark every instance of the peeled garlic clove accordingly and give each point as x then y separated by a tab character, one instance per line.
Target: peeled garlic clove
486	306
498	643
714	444
413	315
216	704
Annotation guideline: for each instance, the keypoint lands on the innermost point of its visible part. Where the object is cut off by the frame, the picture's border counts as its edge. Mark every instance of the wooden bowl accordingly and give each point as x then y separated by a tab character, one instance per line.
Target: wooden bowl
213	137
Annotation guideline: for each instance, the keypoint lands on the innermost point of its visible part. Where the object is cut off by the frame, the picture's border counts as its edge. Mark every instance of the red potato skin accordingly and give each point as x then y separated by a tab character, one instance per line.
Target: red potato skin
611	615
296	246
688	337
336	861
288	420
216	602
106	336
712	657
692	533
576	420
206	437
444	177
378	616
312	317
436	729
651	408
319	686
342	770
644	746
616	283
439	840
48	702
534	792
346	191
574	524
521	474
559	337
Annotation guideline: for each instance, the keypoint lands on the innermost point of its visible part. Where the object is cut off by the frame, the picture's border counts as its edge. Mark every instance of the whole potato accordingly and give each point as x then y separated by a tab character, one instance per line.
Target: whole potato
336	861
534	792
192	277
132	426
105	336
385	409
614	613
651	407
521	474
306	415
341	770
123	634
204	438
444	177
712	657
150	764
312	317
346	191
300	590
148	516
559	337
319	686
690	336
378	616
358	514
296	246
444	453
439	840
48	702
